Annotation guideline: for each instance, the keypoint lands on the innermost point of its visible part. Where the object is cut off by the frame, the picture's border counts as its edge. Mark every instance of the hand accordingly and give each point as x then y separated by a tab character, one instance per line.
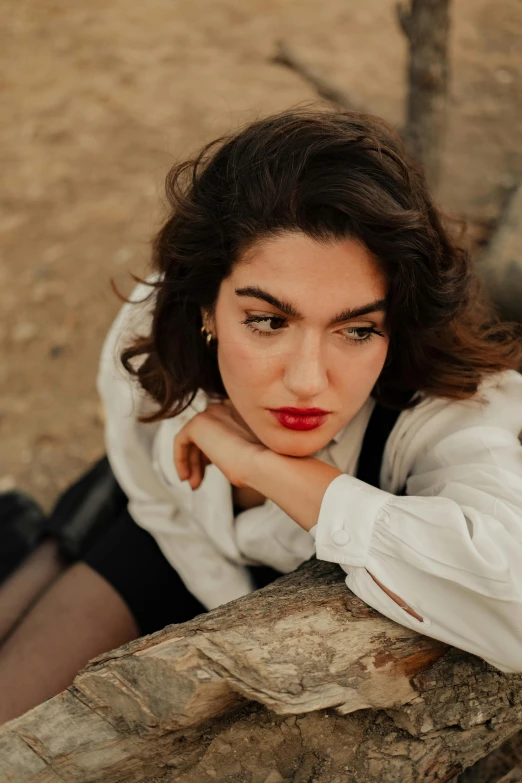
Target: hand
218	435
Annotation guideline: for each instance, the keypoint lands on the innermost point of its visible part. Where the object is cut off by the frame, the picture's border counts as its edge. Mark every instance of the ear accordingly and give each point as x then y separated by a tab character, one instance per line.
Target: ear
208	321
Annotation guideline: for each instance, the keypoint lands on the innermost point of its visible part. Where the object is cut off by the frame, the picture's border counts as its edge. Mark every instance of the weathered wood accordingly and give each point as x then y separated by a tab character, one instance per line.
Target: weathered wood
501	263
426	26
324	747
301	678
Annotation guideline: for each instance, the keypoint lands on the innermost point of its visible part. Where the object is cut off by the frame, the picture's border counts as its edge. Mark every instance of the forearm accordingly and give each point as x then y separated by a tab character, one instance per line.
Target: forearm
295	484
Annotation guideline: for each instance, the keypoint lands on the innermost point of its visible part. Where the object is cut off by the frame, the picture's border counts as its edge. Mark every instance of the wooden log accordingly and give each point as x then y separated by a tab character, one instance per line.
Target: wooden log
297	681
426	26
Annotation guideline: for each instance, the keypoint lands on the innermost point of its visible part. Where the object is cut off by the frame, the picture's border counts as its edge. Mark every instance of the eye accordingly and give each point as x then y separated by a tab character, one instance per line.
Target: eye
359	334
266	325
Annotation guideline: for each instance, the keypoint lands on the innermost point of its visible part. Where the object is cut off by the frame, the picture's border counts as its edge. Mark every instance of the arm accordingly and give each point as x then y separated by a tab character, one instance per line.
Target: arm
450	550
153	504
296	484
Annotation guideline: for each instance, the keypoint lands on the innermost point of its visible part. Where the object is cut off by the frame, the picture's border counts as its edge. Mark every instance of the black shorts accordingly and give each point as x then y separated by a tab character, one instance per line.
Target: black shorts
91	523
129	558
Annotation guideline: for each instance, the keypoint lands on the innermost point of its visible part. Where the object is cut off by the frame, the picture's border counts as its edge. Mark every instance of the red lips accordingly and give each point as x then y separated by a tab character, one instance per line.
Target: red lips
303	411
302	419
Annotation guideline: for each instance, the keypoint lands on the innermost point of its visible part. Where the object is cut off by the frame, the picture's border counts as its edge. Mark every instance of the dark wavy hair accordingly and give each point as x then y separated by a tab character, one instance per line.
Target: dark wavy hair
332	175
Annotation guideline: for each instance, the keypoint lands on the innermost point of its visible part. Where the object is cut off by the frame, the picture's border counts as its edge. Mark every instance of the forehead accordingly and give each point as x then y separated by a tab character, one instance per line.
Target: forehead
293	266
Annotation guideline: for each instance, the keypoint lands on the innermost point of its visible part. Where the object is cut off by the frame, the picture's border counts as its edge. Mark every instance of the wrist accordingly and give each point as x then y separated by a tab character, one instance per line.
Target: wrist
260	466
295	484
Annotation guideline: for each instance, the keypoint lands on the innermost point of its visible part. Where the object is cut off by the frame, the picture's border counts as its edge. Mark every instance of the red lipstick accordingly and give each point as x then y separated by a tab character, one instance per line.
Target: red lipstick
302	419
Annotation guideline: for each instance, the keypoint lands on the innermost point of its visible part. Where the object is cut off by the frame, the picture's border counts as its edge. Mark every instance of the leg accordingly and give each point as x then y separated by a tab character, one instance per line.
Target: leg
84	512
27	583
80	616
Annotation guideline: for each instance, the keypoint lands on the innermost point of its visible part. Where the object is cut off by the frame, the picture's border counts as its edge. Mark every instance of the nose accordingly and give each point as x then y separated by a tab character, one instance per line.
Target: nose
305	374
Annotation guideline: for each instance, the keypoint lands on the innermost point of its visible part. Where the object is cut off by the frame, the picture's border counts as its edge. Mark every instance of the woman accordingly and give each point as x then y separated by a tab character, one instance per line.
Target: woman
308	314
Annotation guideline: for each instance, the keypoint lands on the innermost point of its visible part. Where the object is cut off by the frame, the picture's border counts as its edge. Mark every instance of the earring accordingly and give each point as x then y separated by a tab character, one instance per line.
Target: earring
206	335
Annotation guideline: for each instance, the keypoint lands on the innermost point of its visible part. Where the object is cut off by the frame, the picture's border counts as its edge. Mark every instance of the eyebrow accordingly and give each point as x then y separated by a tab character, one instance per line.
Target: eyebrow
253	291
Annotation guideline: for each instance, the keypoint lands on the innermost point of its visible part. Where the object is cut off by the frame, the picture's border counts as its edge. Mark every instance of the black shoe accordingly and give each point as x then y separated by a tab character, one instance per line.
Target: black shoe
86	509
22	527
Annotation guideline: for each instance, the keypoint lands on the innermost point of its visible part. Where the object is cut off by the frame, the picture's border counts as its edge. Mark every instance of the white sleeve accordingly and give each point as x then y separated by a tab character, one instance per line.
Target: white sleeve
129	446
266	534
451	549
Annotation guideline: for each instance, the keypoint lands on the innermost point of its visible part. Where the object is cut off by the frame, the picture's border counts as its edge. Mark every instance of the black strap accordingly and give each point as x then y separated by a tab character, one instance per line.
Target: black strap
86	508
379	427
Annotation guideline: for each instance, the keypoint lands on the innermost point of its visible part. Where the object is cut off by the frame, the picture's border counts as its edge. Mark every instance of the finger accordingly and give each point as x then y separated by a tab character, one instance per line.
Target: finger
195	467
203	462
181	456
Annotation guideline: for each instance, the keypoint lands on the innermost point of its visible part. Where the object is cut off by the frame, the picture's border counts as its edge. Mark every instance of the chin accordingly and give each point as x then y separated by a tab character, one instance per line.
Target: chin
295	444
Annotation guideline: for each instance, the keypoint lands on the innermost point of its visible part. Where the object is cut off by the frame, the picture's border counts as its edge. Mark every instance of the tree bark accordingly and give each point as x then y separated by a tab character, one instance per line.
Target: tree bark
426	26
298	681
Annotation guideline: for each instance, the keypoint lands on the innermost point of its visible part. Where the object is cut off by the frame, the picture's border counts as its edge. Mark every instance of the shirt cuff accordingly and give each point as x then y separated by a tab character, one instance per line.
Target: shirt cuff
347	516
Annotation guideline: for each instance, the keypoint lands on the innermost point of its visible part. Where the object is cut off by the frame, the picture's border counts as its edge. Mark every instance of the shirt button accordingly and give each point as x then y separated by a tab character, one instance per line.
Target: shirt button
340	537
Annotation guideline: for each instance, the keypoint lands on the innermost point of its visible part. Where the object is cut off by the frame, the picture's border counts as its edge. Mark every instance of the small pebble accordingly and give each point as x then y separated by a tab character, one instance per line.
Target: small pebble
53	253
42	273
55	351
24	332
503	76
26	456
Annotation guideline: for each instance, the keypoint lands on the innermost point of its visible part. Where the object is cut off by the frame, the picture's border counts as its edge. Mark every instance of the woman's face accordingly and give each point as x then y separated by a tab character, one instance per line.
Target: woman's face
301	324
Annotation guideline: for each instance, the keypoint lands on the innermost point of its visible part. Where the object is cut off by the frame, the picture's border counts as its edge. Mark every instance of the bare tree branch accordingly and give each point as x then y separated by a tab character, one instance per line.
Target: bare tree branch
426	26
404	19
285	56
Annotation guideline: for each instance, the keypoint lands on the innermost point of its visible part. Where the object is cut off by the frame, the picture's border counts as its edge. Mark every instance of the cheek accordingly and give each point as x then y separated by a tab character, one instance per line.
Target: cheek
374	360
374	363
362	368
244	364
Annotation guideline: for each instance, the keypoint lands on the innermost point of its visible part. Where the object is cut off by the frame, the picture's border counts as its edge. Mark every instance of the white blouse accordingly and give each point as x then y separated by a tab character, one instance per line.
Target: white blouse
451	549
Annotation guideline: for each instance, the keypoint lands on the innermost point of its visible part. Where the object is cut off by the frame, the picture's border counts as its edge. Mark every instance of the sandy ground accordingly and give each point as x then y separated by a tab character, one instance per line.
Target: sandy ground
99	100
